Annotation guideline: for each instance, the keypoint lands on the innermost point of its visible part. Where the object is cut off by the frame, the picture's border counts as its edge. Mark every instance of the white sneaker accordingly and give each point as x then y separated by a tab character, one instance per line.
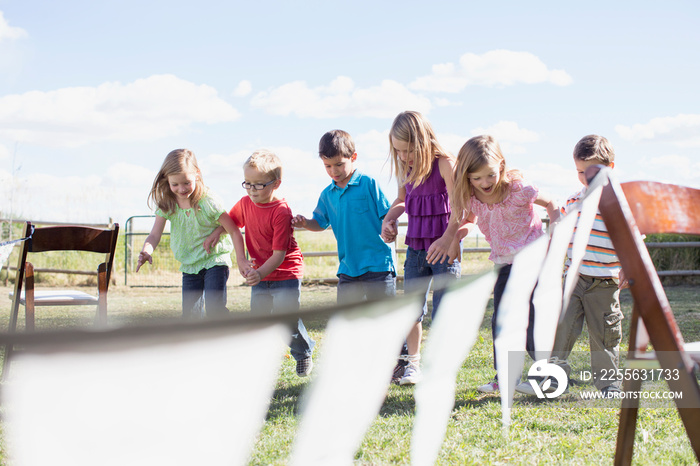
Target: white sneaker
490	387
412	374
526	387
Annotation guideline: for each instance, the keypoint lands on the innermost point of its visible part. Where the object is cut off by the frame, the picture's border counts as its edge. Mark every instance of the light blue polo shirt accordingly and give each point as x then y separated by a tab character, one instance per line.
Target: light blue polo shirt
355	213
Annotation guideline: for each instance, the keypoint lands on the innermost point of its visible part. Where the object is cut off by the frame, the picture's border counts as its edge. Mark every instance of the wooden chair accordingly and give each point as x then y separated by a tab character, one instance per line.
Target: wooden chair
60	238
631	210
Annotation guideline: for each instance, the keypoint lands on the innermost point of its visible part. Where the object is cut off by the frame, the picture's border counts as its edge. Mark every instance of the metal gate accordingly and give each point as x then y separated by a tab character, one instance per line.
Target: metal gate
164	272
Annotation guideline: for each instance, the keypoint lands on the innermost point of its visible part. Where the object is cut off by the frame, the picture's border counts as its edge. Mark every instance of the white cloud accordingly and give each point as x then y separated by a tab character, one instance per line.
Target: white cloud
45	197
341	98
509	135
683	130
144	110
8	32
673	168
442	102
127	174
243	89
493	68
508	130
557	180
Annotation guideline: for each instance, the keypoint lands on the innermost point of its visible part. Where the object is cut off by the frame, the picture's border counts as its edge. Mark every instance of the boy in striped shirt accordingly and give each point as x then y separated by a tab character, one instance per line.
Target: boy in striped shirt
596	296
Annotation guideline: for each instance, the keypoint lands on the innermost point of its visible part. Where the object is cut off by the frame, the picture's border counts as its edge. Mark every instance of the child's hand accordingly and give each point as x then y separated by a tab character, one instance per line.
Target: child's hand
143	258
244	266
299	221
389	231
252	278
623	282
455	252
211	241
439	251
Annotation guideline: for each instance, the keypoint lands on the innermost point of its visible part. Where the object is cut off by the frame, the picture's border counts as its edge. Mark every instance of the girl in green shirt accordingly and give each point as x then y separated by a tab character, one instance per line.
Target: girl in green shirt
179	196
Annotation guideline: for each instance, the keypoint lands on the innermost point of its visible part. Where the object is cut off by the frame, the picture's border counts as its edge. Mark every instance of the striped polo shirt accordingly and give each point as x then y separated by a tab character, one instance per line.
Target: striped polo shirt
600	260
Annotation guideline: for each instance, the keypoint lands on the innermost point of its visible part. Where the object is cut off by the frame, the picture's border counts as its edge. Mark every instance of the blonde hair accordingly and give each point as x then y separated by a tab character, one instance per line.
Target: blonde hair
266	162
594	147
412	128
476	153
176	162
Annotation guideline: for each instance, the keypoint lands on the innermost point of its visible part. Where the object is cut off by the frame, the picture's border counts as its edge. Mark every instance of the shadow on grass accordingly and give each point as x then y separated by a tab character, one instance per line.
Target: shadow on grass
285	401
400	402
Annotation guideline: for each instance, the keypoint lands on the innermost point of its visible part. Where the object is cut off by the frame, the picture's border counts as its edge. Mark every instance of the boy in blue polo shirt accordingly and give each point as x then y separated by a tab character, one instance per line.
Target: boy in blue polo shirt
354	206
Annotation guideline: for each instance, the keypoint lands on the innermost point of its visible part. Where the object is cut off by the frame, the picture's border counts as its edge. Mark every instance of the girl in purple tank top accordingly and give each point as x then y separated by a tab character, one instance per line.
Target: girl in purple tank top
424	171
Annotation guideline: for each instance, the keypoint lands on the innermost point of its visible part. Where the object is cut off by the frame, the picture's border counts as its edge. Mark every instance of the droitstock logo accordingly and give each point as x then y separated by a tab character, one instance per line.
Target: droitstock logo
548	380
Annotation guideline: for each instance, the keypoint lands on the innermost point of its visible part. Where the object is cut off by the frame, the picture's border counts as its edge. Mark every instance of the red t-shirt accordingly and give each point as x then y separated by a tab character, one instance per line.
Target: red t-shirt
268	227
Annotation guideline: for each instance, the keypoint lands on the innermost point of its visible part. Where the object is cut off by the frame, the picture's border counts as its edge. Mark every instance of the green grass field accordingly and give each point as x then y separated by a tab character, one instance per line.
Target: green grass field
560	432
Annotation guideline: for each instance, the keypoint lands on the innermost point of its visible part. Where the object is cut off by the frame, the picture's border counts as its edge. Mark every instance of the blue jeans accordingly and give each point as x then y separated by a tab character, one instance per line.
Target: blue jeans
209	284
418	274
370	285
284	295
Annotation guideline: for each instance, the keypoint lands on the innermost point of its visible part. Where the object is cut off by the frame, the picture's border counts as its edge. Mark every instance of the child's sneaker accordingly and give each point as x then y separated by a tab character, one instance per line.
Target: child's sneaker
412	373
305	366
526	387
611	391
490	387
398	372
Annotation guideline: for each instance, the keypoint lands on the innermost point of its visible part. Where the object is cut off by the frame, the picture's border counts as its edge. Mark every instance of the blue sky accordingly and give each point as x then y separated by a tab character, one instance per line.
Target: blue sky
93	95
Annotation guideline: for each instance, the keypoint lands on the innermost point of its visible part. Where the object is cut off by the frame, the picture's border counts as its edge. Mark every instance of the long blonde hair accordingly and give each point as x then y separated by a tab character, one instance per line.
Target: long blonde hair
411	127
476	153
176	162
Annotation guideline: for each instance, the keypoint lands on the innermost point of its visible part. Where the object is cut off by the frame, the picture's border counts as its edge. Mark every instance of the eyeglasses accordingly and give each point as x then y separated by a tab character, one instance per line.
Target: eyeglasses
256	187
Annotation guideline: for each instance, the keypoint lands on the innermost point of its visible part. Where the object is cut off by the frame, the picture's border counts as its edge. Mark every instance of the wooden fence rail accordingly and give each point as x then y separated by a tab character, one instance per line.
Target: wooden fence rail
399	250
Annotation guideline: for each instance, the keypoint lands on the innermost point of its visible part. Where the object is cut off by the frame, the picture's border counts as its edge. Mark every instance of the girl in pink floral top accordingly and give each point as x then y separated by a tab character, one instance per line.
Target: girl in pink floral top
502	205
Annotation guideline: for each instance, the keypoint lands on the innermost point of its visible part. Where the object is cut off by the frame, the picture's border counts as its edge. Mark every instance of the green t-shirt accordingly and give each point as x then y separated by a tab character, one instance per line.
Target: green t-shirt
188	230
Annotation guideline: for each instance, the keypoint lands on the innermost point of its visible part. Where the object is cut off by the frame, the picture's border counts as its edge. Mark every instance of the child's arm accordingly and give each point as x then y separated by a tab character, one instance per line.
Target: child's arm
244	265
550	204
390	227
213	238
255	276
464	229
151	242
310	224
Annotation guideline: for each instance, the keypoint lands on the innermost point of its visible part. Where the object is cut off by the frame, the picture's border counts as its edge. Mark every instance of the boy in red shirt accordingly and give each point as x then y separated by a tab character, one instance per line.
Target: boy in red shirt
276	266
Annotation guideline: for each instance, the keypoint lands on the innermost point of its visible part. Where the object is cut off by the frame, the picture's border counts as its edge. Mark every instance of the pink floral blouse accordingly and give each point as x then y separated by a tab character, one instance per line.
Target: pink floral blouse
511	224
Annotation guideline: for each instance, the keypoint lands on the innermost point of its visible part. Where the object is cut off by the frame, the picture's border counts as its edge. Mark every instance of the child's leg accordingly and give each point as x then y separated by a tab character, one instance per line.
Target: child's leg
417	279
192	291
261	298
215	295
570	328
498	289
379	285
530	341
417	275
286	296
601	306
443	274
348	289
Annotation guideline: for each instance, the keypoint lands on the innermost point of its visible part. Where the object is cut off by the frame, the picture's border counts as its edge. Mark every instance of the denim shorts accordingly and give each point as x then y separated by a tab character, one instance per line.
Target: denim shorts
370	285
418	275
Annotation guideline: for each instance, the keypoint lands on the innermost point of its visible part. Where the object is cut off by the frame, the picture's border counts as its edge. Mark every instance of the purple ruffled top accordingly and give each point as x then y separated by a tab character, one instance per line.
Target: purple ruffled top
428	208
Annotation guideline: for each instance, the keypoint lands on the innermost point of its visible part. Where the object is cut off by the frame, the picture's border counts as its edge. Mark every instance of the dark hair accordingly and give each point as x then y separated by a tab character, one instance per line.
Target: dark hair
594	147
334	143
